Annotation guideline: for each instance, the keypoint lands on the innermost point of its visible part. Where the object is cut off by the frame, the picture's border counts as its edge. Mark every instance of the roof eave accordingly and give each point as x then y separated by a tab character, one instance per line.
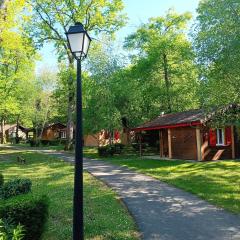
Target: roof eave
189	124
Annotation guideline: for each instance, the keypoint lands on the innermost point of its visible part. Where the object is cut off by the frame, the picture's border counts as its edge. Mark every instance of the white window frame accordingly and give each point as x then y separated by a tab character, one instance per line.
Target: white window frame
63	134
218	136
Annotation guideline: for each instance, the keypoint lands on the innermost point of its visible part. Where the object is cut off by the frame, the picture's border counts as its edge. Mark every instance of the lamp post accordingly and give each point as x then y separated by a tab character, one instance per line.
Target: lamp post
79	41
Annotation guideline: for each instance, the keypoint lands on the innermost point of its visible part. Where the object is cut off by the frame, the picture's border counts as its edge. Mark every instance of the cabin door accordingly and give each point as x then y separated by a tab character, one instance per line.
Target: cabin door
163	137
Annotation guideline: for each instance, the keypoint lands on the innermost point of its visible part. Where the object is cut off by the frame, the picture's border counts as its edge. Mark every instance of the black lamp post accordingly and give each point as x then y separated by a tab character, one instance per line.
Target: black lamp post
79	41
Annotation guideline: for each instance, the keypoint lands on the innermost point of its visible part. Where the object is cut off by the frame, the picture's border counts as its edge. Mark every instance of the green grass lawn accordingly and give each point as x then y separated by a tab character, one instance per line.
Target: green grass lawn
217	182
105	216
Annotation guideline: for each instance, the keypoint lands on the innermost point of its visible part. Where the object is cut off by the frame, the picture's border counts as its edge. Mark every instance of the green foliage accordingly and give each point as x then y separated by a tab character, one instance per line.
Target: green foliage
51	19
16	61
1	179
15	187
110	150
164	65
18	233
216	41
7	232
28	210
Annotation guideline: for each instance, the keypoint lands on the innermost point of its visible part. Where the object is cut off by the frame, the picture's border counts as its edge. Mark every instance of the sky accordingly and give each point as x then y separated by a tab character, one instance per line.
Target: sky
138	11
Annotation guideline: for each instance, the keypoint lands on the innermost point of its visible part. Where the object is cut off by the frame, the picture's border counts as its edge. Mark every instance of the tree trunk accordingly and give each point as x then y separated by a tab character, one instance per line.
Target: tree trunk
69	133
17	128
167	82
3	139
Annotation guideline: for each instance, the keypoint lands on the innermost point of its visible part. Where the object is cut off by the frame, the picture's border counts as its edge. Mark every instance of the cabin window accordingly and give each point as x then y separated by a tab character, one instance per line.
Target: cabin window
63	134
220	136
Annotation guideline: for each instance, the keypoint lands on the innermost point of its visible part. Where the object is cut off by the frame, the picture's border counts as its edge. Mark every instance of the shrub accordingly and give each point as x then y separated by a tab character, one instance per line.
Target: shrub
15	187
1	180
34	143
28	210
54	142
45	142
105	151
110	150
63	141
118	148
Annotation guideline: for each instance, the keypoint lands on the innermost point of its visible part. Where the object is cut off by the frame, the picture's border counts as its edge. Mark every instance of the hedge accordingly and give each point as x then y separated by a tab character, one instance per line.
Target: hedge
28	210
15	187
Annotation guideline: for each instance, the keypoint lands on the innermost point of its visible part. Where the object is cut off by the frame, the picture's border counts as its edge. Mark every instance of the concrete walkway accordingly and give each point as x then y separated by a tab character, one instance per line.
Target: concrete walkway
161	211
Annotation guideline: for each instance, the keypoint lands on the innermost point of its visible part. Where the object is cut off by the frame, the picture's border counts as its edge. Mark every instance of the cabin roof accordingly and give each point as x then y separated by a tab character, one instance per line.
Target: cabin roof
191	117
186	118
56	126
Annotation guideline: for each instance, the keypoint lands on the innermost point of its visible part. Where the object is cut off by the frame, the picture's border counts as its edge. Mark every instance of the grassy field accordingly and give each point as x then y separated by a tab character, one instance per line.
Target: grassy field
105	216
216	182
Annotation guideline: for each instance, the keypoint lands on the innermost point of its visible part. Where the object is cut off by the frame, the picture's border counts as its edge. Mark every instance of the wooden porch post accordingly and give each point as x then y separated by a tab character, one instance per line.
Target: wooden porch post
169	143
161	143
140	147
198	139
233	143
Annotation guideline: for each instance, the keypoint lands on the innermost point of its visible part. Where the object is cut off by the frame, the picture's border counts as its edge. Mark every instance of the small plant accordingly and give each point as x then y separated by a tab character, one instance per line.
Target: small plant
15	187
7	232
18	233
1	181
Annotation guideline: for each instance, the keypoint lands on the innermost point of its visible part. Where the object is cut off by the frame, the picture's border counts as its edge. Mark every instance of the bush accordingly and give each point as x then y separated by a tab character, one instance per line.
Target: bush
45	142
63	141
105	151
110	150
28	210
15	187
118	148
55	142
1	180
34	143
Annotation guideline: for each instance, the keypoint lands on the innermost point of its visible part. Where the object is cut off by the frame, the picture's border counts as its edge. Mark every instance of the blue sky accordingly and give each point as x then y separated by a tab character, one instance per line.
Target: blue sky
138	11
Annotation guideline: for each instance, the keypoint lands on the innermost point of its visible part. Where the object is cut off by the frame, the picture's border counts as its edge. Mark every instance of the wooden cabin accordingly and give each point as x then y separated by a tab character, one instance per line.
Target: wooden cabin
54	131
186	135
59	131
10	132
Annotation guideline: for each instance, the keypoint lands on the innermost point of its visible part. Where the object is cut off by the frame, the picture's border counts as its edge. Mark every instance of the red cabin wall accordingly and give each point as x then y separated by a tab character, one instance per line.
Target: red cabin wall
210	151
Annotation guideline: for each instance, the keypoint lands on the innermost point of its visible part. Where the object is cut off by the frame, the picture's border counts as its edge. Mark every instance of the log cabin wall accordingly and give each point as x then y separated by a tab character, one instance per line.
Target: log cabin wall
184	144
50	134
91	140
214	152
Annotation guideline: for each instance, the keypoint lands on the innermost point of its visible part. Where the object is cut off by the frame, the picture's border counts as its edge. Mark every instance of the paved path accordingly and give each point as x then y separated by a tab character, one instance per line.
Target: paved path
163	212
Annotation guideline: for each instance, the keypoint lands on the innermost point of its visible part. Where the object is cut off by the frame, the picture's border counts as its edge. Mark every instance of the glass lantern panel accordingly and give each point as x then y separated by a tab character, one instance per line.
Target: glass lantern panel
76	42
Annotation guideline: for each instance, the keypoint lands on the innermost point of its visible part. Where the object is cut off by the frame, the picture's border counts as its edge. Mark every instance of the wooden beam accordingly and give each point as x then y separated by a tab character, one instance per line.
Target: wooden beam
169	143
140	147
161	143
233	143
199	144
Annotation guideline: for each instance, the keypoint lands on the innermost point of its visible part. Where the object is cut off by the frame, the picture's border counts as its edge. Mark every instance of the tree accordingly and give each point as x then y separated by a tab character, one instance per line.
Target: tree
164	64
51	20
16	61
216	40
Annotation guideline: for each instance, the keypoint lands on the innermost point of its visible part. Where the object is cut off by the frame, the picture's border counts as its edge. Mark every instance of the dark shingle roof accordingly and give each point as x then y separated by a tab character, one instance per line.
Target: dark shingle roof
187	117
